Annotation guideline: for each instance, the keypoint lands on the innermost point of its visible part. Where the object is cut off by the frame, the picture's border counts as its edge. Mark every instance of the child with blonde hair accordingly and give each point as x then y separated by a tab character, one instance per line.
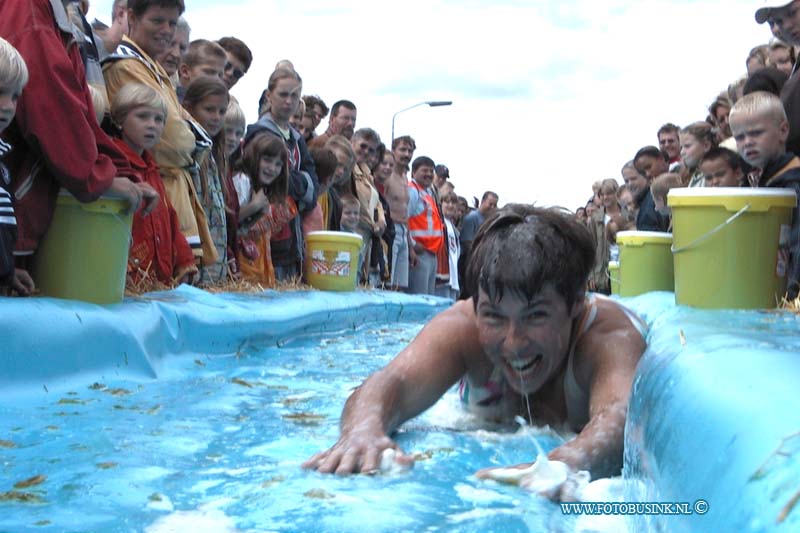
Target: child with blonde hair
235	124
296	119
760	127
158	251
13	78
351	213
696	139
100	103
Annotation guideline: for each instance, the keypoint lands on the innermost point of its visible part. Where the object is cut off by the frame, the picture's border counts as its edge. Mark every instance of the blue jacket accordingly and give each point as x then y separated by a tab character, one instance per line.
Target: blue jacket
648	218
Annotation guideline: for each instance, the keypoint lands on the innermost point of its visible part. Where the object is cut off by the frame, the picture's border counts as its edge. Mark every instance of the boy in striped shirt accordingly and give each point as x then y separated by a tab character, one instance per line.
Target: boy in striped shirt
13	77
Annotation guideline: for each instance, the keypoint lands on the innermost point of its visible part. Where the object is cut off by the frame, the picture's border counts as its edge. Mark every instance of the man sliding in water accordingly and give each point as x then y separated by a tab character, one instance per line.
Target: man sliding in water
531	342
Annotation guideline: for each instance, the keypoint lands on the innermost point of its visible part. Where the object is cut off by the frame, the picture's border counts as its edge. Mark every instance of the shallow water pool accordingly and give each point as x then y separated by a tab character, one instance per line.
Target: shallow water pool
215	444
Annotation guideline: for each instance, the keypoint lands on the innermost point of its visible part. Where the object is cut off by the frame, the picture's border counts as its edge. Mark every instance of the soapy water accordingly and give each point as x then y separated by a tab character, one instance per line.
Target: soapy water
216	444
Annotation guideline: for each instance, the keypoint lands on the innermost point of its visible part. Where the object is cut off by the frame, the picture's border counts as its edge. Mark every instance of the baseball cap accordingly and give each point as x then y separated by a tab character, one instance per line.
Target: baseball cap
765	11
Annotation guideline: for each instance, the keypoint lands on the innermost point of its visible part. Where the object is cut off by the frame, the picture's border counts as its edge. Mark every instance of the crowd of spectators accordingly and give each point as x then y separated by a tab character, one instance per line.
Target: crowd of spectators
140	111
749	138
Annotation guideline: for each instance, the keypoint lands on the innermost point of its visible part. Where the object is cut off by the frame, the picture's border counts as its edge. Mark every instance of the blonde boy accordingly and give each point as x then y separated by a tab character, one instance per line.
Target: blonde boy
158	249
13	78
351	213
759	125
235	124
296	119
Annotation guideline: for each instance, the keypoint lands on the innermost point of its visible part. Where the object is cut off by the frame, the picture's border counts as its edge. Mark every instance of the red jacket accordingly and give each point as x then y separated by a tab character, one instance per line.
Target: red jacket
158	246
56	139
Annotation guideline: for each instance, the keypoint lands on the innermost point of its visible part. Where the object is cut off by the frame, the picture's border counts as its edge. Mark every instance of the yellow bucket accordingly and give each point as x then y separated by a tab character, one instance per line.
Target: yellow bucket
84	254
645	262
332	260
731	246
613	276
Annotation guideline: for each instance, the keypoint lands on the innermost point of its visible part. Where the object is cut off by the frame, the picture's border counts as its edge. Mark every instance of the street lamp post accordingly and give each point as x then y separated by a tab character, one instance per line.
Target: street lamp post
432	103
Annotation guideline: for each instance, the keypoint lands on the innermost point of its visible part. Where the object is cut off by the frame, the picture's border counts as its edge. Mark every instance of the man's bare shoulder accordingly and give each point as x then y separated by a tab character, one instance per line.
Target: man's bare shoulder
615	332
458	326
614	318
463	310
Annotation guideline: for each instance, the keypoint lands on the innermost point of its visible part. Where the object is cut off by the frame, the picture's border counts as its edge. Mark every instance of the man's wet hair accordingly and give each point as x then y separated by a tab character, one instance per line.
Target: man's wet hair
523	249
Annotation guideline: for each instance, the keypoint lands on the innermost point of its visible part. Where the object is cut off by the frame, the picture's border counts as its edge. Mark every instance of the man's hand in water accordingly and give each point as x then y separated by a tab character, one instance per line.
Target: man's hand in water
552	479
356	452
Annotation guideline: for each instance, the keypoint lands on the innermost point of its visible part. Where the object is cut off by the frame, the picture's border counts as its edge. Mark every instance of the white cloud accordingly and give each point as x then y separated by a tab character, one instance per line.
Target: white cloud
548	96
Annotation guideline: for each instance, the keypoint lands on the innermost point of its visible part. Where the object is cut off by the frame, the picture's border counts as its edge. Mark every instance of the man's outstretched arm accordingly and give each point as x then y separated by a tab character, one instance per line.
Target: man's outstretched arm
414	380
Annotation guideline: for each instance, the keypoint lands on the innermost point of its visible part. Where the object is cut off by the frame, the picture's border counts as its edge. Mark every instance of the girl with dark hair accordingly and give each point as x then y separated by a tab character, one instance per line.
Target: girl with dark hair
267	209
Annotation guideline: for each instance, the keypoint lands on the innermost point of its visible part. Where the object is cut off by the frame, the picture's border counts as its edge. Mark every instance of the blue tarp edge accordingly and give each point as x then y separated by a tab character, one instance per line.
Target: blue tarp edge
47	342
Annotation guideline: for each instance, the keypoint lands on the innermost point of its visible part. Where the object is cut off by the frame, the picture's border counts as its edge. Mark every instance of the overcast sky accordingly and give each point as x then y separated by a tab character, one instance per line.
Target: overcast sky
547	96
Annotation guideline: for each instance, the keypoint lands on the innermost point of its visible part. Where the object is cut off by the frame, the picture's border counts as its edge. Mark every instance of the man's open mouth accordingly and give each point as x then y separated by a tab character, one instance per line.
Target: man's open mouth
523	366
